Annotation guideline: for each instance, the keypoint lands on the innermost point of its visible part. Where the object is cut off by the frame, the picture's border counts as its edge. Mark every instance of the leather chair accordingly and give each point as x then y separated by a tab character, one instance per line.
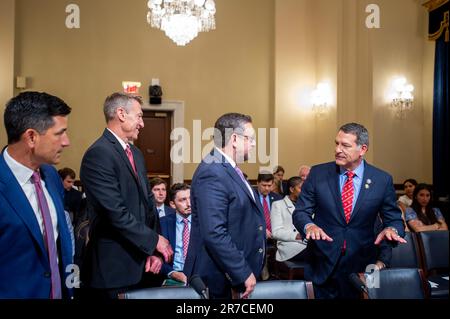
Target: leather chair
434	250
283	289
406	255
161	293
395	283
290	270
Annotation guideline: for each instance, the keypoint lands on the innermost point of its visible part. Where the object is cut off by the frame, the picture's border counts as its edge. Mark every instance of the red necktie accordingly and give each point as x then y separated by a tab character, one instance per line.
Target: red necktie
348	192
267	214
185	237
347	196
49	238
131	158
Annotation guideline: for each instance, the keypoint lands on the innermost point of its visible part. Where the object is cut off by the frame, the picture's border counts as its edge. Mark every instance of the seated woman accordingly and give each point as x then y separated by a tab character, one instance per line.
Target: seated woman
290	245
405	201
421	216
279	186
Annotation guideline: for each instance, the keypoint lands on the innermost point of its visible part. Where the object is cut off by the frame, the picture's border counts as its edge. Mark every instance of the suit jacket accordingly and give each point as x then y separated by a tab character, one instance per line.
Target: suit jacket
168	211
168	230
123	222
24	264
283	230
227	229
321	196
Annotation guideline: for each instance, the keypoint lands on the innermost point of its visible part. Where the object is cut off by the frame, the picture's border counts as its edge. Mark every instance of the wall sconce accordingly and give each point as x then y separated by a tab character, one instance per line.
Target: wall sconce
321	99
402	99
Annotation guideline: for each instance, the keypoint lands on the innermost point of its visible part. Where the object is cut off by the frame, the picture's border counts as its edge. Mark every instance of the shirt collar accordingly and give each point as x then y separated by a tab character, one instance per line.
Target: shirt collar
180	218
358	171
121	141
229	159
20	171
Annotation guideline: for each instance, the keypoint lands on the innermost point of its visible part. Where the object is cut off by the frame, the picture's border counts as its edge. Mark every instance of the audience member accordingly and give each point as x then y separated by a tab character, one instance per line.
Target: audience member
406	200
35	243
72	197
280	186
290	245
159	190
177	229
303	172
421	216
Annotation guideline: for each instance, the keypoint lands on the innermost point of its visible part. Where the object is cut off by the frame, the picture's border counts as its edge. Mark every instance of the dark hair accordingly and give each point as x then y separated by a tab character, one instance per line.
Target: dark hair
410	180
265	177
226	125
278	169
177	188
32	110
116	100
361	133
157	181
293	182
429	218
66	171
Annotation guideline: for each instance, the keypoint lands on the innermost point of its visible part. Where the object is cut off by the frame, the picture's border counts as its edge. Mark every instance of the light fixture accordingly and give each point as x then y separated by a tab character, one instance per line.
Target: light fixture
402	99
182	20
321	98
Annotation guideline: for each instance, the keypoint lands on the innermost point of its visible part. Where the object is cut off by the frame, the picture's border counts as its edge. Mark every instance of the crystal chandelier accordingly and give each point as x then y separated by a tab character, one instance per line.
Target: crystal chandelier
182	20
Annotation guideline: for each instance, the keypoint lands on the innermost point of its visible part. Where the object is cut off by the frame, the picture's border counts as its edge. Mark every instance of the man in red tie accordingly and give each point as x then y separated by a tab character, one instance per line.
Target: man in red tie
124	240
35	243
346	197
177	229
264	193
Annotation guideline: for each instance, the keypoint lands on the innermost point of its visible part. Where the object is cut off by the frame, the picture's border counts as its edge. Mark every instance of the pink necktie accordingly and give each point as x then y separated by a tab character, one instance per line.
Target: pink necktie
49	238
185	237
131	158
347	200
267	213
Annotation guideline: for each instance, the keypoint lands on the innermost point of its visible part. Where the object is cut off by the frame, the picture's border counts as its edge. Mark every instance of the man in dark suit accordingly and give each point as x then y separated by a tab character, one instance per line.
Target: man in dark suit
123	224
177	229
346	197
159	190
227	244
35	243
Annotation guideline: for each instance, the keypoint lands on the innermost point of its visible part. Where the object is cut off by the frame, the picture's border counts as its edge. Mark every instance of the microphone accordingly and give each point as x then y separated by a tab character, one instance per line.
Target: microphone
197	283
358	283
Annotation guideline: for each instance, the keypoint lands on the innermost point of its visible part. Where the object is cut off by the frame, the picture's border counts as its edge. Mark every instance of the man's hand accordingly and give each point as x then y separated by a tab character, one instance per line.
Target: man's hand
268	234
316	233
153	264
391	234
178	276
164	248
249	286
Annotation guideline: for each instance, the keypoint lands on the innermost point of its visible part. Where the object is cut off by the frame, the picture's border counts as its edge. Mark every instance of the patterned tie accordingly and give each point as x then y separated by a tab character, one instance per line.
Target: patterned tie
49	238
348	192
131	158
185	237
347	195
267	213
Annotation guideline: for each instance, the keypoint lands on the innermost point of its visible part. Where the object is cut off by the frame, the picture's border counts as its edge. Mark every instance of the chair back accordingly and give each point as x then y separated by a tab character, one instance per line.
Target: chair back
283	289
396	283
434	248
406	255
161	293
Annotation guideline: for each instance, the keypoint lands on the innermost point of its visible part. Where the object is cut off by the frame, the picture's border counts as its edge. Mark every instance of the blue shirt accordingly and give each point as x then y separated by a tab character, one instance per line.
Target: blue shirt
263	198
357	180
178	260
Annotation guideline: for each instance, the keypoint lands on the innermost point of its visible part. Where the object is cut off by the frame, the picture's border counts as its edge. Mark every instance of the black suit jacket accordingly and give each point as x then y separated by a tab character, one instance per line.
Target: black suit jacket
123	230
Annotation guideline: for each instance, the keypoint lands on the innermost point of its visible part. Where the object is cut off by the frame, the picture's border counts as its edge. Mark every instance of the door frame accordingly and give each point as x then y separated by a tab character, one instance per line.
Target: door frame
177	109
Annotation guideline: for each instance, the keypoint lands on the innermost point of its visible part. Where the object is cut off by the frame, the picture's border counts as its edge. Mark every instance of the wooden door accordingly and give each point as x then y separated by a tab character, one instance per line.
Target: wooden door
154	142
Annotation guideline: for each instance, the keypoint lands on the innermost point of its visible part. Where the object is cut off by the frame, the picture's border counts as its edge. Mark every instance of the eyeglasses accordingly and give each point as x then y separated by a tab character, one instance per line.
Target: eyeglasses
251	139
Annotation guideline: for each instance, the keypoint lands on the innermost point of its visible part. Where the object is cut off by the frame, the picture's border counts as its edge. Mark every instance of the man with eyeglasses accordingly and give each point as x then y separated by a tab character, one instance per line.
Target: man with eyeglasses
228	233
